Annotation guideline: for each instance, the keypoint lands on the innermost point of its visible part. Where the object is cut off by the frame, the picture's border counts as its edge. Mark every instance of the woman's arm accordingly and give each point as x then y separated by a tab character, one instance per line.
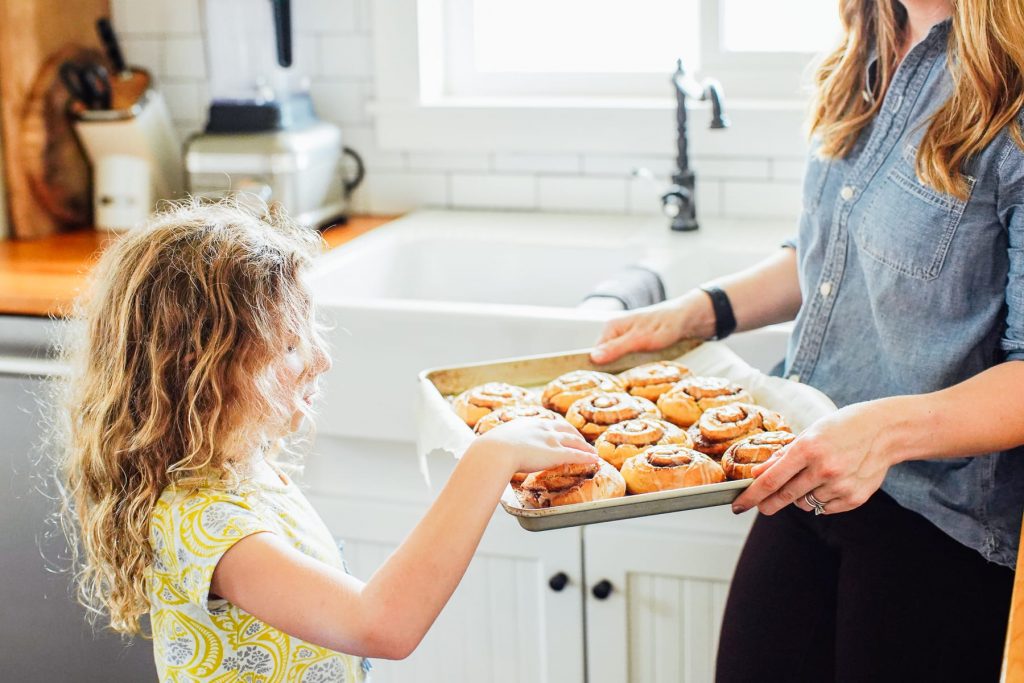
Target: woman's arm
764	294
844	457
388	615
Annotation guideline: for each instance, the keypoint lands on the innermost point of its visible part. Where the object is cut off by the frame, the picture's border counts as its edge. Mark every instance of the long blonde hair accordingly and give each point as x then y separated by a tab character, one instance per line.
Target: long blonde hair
169	380
985	60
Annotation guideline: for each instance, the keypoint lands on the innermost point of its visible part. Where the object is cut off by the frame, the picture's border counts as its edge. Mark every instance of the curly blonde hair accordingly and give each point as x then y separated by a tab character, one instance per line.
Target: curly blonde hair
169	380
986	62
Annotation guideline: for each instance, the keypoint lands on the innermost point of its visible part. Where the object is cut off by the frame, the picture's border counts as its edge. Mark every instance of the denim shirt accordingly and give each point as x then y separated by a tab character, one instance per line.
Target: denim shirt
908	290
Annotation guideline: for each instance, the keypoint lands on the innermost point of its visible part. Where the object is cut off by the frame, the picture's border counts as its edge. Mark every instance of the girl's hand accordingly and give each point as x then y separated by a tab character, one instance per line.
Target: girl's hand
841	460
656	327
531	444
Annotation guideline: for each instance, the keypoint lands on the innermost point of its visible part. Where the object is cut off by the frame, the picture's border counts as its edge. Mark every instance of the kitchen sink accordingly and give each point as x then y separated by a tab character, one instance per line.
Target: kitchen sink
445	287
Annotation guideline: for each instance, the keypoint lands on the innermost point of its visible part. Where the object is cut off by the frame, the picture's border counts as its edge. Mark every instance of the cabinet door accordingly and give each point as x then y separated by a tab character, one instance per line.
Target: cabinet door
660	621
504	624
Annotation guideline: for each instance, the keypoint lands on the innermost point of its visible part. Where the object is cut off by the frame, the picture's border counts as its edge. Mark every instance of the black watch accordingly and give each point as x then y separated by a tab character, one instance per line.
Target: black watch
725	320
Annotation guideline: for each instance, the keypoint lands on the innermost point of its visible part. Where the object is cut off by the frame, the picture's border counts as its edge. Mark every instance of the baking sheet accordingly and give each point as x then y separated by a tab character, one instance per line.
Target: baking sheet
440	429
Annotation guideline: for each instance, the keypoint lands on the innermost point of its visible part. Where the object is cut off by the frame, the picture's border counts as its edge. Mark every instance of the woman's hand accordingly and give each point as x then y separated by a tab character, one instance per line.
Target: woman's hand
532	444
841	460
656	327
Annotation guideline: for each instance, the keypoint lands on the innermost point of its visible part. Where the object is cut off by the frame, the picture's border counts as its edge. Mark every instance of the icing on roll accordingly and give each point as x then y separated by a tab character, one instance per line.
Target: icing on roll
475	403
593	414
571	483
625	439
718	428
563	391
651	380
668	467
739	461
685	402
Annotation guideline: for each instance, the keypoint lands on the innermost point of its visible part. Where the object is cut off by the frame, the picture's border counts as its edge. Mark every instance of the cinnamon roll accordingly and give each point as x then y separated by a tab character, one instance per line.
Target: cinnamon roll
669	466
513	412
626	439
593	414
721	427
651	380
683	404
571	483
562	392
473	404
741	458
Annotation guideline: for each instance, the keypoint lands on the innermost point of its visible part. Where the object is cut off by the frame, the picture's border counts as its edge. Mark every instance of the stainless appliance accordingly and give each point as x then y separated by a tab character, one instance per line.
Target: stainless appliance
262	136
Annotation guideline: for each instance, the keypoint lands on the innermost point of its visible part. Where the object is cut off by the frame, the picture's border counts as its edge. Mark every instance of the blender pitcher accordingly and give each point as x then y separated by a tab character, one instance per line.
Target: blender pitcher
254	85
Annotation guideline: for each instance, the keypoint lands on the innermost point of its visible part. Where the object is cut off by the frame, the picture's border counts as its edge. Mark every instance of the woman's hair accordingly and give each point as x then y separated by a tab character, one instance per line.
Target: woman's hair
170	353
986	62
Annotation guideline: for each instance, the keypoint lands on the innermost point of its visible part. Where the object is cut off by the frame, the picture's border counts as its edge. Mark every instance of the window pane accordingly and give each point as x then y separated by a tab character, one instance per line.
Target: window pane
581	36
779	26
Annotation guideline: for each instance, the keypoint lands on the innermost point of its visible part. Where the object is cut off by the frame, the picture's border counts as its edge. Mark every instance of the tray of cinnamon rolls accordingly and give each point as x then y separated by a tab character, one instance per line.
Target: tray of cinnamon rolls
675	430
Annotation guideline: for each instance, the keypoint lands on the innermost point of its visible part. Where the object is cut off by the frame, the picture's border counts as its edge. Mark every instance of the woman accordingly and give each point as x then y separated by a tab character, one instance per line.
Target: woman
907	284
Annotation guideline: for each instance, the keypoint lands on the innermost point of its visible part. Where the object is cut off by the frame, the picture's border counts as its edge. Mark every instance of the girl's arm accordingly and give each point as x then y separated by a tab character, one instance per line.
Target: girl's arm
388	616
764	294
844	457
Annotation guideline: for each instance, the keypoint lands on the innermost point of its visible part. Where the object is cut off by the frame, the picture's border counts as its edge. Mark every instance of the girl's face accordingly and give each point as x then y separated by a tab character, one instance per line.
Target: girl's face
297	372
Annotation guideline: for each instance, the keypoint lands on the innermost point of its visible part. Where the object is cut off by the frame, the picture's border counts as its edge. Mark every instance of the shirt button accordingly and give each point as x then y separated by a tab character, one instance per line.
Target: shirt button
825	289
846	193
794	378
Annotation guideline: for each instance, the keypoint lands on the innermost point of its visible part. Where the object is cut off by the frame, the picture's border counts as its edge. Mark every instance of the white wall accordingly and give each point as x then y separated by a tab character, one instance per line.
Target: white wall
335	43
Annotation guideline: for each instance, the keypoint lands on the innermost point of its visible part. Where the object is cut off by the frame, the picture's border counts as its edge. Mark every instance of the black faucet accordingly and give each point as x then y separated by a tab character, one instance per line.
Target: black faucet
678	203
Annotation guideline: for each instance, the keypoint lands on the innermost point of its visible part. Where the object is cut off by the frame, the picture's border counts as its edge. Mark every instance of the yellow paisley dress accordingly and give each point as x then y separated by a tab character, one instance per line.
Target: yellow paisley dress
196	638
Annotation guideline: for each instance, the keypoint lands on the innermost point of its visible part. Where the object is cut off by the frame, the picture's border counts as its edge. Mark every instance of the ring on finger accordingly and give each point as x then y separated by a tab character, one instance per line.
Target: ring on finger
819	507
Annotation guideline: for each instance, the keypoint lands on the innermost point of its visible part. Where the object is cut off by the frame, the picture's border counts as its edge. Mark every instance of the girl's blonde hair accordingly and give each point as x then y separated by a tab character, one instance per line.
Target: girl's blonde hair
170	380
986	61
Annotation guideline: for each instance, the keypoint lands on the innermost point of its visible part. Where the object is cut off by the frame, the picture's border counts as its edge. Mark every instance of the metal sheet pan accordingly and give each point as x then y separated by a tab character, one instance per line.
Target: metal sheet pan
440	428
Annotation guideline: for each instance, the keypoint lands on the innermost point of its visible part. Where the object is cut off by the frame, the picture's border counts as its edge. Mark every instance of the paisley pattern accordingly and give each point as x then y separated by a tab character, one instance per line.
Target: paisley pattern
196	638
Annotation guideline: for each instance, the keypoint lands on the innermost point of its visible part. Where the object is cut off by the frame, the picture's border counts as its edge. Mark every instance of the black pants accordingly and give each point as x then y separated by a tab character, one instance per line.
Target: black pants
876	594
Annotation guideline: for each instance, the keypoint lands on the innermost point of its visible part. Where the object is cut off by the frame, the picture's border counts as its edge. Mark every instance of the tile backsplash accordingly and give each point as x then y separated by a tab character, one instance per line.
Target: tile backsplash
334	44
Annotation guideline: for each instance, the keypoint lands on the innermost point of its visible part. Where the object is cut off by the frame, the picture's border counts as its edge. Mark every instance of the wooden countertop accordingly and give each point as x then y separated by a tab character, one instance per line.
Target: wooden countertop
42	277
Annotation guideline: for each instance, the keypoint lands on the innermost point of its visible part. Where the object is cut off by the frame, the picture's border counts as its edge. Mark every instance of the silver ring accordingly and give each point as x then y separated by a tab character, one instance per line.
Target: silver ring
819	507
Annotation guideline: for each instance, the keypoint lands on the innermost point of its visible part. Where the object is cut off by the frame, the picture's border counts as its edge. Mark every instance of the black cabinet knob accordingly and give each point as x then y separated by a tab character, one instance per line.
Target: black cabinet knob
558	581
602	589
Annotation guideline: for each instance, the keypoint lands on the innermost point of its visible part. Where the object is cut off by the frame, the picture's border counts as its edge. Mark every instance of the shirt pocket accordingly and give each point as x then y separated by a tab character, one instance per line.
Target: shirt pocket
908	225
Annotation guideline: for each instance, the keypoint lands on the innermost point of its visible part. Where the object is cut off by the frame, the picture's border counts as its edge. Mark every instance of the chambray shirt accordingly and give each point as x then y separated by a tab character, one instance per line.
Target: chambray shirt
908	290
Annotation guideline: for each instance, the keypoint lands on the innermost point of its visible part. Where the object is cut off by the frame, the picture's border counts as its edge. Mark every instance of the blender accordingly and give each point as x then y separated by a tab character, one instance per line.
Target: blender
262	136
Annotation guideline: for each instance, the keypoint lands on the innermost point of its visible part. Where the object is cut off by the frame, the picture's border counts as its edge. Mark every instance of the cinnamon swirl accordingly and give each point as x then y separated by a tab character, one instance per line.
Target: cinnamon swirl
563	391
651	380
721	427
683	404
669	466
741	458
473	404
571	483
593	414
626	439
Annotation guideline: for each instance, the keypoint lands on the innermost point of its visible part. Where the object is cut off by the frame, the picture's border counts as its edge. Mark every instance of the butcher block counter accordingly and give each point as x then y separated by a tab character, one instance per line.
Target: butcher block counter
42	277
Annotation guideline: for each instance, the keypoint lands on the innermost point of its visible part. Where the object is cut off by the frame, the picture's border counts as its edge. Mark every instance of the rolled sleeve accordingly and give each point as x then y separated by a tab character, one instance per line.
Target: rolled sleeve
789	243
1011	213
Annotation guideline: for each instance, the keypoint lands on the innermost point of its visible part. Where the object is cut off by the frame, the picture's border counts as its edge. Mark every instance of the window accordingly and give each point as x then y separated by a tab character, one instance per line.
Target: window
583	48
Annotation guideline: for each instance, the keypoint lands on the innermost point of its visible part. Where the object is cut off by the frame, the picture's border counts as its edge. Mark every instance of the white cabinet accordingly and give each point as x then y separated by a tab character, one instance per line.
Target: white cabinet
661	618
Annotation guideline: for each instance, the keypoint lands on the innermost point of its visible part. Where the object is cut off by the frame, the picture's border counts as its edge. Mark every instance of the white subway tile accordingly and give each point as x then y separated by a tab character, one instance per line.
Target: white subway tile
147	53
364	16
184	58
398	192
340	102
185	101
756	199
324	16
156	16
537	163
788	169
729	168
362	138
563	193
506	191
345	55
445	161
645	199
305	55
624	165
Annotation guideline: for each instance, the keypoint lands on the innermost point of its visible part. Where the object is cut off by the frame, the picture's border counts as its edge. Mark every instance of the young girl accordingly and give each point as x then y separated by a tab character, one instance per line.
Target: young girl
197	358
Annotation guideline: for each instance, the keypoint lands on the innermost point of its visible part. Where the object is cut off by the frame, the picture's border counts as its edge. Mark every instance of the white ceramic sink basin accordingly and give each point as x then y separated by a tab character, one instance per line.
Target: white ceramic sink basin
442	288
